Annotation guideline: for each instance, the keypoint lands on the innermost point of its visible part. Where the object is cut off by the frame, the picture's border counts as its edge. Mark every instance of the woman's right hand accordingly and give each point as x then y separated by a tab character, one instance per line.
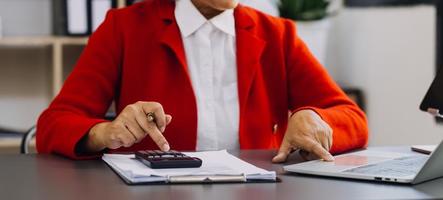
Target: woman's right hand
130	127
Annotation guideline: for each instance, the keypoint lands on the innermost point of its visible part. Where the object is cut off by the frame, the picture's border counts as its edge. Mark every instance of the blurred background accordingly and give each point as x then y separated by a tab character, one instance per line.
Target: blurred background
383	53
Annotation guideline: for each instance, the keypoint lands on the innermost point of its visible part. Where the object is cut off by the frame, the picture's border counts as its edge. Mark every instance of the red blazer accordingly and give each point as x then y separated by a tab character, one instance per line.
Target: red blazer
137	54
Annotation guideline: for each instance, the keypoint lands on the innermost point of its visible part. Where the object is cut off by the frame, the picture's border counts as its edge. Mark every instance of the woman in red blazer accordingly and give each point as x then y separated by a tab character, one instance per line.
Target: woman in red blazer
137	59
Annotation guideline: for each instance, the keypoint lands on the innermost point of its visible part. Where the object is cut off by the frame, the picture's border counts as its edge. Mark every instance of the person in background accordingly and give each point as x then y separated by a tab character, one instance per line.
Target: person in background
199	75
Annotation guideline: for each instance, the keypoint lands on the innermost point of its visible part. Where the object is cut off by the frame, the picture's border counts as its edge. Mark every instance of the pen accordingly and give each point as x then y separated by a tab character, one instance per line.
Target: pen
151	117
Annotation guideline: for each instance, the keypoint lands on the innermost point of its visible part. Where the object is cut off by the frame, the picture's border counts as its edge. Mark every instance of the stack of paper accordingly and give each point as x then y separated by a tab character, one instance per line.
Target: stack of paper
218	166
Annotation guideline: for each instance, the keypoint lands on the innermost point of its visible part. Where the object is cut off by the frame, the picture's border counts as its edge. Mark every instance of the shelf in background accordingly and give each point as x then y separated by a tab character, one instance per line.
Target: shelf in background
58	44
41	41
32	72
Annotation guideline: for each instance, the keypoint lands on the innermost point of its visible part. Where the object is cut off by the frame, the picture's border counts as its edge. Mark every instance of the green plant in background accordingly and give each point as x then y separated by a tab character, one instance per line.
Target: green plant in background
304	10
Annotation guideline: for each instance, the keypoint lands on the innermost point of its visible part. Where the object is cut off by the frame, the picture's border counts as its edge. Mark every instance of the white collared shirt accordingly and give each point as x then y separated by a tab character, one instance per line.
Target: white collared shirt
211	58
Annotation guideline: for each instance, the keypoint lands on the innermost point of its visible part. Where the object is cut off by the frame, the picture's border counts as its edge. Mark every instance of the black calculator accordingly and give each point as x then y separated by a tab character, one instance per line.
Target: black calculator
157	159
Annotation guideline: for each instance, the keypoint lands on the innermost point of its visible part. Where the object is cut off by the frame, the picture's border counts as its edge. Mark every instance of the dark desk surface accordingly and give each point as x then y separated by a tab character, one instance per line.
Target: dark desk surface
49	177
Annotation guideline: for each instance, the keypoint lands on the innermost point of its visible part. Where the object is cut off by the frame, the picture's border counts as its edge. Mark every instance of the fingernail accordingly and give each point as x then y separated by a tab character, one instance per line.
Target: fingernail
275	159
279	158
162	129
330	158
166	147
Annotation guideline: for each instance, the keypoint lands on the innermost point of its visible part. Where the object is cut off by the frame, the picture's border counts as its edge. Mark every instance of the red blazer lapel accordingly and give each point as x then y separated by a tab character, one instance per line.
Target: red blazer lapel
170	37
249	51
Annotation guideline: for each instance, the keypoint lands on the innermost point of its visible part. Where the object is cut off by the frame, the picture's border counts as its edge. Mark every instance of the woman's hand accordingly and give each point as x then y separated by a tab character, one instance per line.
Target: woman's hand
308	133
131	126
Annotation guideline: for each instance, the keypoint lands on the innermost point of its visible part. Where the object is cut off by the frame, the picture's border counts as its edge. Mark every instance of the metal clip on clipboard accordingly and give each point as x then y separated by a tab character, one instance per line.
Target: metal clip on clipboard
208	179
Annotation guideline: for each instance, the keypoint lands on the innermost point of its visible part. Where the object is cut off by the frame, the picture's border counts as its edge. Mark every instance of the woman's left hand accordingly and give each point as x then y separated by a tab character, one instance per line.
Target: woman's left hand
308	133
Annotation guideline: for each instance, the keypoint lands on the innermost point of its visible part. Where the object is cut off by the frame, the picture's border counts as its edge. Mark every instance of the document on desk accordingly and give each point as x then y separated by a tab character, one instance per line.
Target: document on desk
218	166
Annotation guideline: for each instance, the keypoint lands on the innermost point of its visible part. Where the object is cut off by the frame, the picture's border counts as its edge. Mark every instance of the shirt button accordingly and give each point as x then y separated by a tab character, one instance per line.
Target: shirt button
275	129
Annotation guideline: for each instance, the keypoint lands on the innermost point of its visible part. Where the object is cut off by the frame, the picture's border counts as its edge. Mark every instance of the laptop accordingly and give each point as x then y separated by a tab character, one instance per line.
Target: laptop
410	168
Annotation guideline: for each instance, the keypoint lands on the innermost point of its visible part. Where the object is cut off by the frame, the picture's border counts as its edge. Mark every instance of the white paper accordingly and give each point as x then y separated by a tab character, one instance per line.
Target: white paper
77	16
99	9
214	163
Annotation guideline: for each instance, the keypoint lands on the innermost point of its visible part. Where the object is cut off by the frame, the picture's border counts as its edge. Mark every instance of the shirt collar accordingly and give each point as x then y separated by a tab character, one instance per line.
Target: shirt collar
189	19
225	22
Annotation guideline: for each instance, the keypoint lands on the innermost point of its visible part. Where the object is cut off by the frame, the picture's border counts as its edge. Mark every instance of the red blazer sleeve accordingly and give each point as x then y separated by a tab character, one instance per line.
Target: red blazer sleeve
86	94
310	87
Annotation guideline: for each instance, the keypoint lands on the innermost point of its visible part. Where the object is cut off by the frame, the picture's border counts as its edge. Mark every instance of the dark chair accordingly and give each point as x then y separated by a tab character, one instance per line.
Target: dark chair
26	140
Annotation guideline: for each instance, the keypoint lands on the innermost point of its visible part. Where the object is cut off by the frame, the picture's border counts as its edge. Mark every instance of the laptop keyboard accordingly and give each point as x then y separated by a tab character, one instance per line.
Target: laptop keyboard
399	167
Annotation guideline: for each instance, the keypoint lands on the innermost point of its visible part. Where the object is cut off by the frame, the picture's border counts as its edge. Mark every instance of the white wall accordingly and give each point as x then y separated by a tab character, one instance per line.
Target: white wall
390	54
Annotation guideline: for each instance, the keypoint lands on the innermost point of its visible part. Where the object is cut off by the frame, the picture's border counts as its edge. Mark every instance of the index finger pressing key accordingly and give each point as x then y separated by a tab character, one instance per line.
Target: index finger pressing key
156	135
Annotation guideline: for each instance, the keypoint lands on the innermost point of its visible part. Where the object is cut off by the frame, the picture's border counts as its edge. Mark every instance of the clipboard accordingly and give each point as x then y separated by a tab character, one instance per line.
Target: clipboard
230	170
200	180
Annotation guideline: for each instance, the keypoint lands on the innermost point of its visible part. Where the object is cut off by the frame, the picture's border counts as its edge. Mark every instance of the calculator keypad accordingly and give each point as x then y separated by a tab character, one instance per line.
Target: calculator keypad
167	159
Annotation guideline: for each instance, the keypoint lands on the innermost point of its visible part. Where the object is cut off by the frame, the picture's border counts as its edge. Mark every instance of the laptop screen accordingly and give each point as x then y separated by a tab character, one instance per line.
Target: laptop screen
433	100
